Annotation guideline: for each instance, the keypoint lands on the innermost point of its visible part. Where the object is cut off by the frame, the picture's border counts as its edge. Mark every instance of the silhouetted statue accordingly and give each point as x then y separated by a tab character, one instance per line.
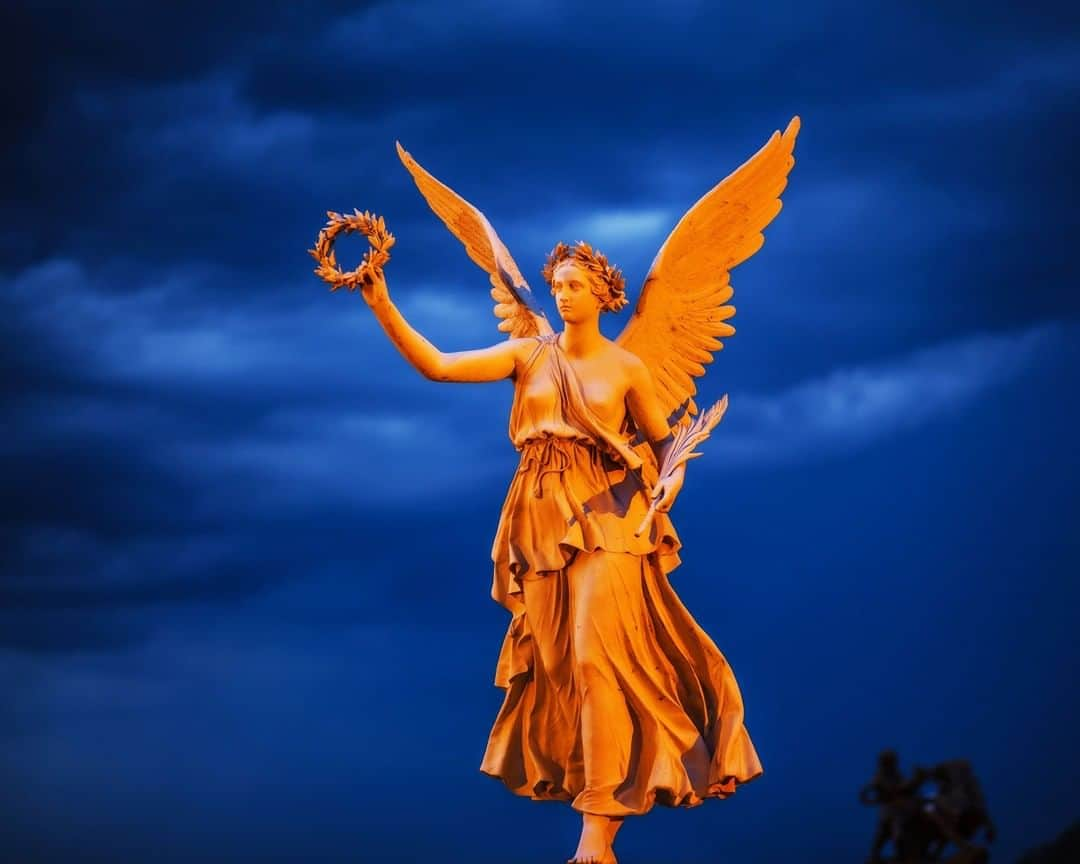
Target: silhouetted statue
959	806
922	828
895	800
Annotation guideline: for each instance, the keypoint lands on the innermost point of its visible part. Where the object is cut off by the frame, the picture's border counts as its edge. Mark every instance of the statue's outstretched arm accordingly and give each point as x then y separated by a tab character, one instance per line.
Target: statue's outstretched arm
483	364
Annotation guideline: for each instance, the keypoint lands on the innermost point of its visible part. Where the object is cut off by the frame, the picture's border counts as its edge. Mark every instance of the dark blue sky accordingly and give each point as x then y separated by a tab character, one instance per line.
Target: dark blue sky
244	610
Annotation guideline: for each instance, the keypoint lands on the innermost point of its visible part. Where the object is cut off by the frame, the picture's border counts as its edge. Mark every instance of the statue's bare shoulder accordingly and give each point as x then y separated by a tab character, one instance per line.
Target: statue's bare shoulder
630	364
522	348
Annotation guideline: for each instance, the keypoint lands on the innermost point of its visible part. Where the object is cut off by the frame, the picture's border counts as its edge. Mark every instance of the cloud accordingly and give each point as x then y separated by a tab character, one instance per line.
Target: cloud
196	429
162	425
455	318
270	409
184	326
891	214
322	431
622	226
855	406
307	460
211	127
387	31
210	119
1022	83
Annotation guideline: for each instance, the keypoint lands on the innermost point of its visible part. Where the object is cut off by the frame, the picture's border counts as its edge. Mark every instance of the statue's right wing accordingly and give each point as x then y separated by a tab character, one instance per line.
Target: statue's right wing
514	301
683	308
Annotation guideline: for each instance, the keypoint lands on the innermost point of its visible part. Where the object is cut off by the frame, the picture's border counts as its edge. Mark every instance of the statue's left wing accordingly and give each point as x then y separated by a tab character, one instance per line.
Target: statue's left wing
514	301
683	308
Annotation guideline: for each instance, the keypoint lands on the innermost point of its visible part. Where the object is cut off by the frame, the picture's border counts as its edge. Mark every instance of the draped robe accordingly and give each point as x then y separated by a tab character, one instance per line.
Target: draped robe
615	698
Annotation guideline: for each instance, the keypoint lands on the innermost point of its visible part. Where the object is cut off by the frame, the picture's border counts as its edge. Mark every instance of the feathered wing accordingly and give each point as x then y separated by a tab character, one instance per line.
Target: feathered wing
514	301
683	308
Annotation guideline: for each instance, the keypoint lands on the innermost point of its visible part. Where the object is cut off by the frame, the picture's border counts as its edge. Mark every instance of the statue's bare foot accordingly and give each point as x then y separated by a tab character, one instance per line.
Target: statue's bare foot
593	847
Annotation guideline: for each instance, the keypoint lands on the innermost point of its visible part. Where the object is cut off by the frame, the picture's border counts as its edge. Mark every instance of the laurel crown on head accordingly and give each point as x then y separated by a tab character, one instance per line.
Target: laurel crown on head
608	282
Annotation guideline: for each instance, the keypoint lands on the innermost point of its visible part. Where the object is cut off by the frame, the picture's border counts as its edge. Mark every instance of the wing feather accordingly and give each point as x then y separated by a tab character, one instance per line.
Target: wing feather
515	306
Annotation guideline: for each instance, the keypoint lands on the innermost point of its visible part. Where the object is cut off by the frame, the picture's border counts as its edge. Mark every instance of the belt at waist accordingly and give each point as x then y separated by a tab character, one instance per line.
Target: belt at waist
551	454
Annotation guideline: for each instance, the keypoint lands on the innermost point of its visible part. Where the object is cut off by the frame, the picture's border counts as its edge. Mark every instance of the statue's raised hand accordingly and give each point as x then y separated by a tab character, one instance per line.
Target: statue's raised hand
373	286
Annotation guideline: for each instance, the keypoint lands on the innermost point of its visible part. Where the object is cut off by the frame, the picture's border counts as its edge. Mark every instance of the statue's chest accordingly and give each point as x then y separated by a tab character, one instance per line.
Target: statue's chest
604	394
598	384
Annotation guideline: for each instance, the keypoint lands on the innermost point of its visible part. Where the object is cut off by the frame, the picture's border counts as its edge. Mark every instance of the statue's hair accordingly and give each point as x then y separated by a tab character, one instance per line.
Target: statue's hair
607	281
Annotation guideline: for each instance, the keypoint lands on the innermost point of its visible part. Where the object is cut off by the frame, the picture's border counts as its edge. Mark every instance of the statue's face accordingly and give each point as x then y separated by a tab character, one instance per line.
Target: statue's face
572	287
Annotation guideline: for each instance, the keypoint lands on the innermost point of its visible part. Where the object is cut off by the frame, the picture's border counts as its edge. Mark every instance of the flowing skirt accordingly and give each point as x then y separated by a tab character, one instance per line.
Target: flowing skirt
615	698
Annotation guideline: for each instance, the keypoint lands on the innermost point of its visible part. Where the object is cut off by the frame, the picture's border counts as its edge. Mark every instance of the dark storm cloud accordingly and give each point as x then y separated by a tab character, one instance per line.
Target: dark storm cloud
280	108
238	530
121	332
176	131
58	48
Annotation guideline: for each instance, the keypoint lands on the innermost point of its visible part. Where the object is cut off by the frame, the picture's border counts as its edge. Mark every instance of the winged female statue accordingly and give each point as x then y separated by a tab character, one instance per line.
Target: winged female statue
615	698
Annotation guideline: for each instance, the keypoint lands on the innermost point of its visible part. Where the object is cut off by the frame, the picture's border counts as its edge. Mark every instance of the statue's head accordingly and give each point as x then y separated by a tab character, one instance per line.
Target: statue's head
887	760
582	280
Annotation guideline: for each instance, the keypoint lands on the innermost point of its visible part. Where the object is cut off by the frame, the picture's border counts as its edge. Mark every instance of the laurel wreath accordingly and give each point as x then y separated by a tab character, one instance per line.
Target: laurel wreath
371	226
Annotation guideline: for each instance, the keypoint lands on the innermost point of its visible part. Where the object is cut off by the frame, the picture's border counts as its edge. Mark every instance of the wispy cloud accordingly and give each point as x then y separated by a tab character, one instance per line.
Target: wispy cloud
852	407
621	226
1017	84
106	565
388	30
304	460
210	119
322	426
310	445
323	432
172	326
629	233
209	128
885	215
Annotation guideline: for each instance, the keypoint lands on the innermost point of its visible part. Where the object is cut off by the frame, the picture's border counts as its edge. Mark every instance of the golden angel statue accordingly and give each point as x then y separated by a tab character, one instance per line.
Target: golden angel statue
615	698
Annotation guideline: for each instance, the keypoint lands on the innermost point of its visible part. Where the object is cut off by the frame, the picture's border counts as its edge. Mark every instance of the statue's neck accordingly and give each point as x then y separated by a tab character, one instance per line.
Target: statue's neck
581	339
